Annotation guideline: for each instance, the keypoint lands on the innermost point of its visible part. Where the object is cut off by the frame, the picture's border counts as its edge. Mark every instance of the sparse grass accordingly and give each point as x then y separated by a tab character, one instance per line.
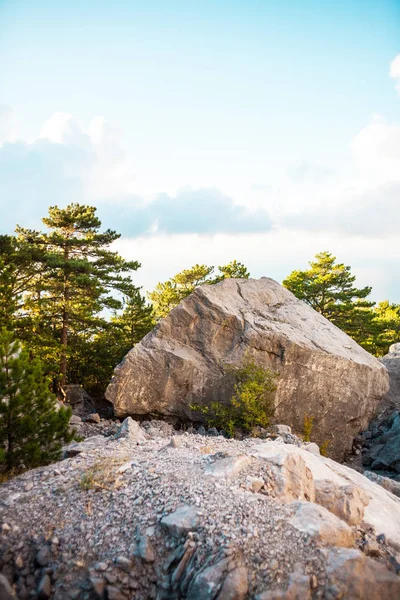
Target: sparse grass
103	475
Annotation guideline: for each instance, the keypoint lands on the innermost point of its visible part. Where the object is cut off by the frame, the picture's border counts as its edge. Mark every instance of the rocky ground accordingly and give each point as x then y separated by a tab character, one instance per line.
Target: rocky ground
152	513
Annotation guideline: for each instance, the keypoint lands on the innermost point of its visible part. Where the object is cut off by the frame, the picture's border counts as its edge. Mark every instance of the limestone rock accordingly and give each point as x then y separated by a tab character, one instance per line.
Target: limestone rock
93	418
383	510
298	589
347	502
207	582
90	443
291	478
225	467
321	525
131	430
179	363
389	484
352	575
235	586
80	401
6	591
186	518
279	429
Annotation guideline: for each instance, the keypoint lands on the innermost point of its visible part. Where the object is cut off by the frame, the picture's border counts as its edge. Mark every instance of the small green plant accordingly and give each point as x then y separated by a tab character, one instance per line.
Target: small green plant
324	447
251	403
307	428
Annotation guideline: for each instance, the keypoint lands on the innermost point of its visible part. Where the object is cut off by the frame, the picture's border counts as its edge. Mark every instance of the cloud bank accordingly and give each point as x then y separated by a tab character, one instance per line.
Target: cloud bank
71	163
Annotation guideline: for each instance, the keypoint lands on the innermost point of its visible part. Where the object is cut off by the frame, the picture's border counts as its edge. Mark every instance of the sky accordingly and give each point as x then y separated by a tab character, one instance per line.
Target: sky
207	131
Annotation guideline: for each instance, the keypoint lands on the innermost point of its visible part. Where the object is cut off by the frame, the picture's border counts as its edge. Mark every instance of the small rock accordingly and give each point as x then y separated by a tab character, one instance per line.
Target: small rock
75	420
130	430
101	566
201	430
279	429
175	442
213	431
254	484
19	563
114	593
5	528
144	550
93	418
29	486
6	591
43	557
186	518
123	563
235	586
99	586
44	588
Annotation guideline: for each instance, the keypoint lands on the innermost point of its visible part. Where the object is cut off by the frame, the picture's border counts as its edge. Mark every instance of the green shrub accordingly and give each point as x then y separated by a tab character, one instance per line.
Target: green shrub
32	428
251	403
324	447
307	428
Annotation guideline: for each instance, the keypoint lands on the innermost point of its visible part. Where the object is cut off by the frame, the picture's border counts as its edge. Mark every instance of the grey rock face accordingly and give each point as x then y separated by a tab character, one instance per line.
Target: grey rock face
384	451
322	372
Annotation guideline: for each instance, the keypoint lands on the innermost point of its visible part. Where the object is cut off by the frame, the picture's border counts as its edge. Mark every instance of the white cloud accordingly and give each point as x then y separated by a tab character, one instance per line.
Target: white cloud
6	122
272	254
71	162
376	150
394	71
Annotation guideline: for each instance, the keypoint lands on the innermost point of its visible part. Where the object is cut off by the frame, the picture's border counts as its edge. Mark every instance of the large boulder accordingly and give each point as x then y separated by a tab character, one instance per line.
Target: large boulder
322	372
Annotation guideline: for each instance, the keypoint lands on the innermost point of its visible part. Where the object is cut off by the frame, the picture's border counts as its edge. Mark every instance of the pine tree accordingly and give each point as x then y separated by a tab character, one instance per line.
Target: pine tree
78	279
18	269
328	287
169	294
387	326
233	270
32	429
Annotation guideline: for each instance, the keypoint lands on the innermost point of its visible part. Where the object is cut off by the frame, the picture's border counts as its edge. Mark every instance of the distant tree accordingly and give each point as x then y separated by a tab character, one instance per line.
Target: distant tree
169	294
32	428
234	270
328	287
136	320
387	326
78	280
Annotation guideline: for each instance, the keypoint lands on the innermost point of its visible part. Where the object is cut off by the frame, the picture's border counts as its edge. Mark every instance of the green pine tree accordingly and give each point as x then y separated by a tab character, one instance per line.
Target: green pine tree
169	294
32	428
328	287
79	278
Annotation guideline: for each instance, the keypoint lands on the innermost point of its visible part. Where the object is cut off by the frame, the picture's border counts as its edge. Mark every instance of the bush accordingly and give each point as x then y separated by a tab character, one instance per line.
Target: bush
251	403
32	428
307	428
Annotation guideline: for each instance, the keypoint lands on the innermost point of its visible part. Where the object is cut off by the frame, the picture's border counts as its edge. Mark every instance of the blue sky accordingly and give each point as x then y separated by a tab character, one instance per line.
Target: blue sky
262	131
